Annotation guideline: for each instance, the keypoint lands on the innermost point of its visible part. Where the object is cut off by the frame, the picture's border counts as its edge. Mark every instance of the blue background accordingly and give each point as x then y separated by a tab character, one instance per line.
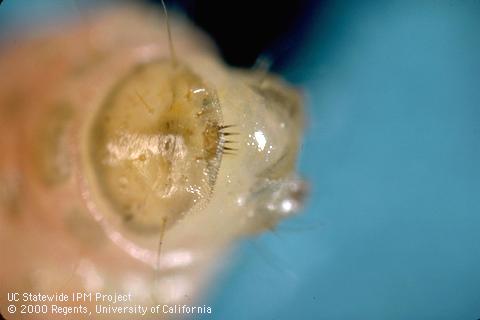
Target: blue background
392	226
392	151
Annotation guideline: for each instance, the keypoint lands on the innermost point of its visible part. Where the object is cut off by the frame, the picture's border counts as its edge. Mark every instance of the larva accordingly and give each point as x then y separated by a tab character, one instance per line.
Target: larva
106	144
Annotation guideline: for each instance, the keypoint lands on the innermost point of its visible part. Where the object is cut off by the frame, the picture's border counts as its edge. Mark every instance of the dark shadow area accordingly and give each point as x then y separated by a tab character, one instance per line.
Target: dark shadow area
247	30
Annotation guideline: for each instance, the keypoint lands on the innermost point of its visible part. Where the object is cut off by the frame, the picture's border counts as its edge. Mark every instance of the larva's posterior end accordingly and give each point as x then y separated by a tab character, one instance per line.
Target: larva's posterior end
196	153
161	147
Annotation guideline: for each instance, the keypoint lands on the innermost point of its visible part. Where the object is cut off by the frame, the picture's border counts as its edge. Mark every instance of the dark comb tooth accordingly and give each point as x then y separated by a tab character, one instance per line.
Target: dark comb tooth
229	149
230	133
230	141
226	126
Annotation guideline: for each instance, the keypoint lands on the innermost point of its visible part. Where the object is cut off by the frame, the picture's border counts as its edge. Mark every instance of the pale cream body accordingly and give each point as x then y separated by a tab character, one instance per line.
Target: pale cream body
56	234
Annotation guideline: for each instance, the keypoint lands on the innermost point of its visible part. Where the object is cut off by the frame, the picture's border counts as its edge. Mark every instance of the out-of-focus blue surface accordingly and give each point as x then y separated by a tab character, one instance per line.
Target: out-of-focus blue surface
392	152
393	155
